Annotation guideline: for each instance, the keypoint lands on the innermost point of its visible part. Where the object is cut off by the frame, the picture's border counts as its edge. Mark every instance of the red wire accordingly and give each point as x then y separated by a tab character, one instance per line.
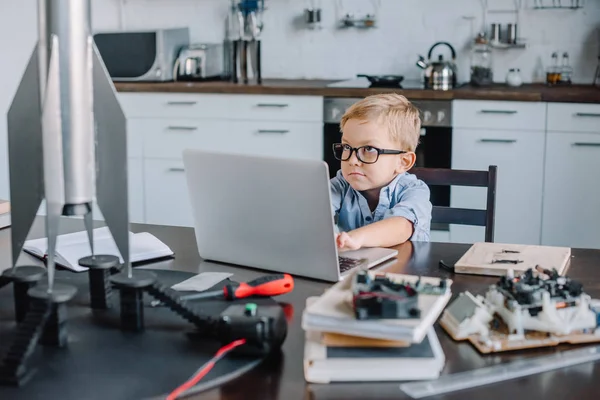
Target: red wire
205	369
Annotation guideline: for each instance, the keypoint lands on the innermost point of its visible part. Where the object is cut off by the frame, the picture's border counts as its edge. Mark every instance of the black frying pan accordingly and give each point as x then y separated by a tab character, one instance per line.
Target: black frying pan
383	80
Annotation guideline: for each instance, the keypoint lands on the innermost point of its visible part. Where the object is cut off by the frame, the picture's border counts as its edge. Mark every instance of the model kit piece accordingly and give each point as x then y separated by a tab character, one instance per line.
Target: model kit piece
55	328
14	367
99	267
131	285
23	278
379	297
539	308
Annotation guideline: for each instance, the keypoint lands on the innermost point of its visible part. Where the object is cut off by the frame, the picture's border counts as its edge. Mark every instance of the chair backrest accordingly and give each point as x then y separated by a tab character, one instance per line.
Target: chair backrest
463	216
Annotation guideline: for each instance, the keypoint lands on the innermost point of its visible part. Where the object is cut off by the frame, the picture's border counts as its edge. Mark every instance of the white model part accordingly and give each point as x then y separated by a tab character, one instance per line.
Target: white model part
552	318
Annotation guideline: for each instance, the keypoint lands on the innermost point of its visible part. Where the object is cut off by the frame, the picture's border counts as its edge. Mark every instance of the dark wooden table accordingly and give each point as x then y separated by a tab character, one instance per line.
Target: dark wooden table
284	378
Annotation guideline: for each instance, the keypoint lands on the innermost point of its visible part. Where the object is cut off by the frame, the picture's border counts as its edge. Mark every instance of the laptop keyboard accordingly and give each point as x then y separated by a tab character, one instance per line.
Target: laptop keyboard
347	263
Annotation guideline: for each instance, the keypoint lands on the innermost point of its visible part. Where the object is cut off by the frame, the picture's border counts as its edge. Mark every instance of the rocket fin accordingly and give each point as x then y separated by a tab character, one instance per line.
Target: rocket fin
25	155
111	157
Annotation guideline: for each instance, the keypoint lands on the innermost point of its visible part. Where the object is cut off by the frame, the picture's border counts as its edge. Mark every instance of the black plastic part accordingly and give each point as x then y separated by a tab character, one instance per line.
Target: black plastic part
445	266
76	209
99	275
131	290
263	327
55	330
171	299
14	368
23	278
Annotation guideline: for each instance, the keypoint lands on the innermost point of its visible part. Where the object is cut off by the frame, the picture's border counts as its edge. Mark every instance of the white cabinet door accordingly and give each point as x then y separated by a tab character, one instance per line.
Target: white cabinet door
571	214
519	156
135	182
167	138
167	199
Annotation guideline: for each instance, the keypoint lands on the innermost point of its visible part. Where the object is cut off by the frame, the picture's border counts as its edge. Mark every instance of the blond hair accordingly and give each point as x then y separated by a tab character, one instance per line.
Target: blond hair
393	112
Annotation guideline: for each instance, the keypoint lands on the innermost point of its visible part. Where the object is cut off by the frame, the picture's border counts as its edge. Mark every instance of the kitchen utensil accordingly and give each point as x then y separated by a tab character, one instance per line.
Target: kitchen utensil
245	32
383	80
441	74
496	34
511	33
513	78
200	61
481	62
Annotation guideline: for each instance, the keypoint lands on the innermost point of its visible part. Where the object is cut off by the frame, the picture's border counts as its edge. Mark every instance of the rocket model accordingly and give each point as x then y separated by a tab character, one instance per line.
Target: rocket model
67	134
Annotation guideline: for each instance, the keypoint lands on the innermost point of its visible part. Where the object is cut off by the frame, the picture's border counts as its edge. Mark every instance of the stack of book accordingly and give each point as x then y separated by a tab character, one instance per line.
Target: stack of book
346	341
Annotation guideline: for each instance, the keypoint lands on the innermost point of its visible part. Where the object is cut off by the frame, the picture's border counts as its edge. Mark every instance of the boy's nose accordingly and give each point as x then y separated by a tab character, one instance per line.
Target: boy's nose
353	160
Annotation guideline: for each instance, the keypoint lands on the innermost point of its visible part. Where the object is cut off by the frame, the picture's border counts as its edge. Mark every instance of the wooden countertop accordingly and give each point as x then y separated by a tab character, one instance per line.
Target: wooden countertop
529	92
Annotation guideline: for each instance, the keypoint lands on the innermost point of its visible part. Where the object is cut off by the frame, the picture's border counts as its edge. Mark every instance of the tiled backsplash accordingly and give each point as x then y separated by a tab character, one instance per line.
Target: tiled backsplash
406	28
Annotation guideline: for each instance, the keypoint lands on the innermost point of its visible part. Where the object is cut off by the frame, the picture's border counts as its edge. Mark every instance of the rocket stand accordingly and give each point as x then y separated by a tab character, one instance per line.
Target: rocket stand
23	278
99	274
55	329
132	297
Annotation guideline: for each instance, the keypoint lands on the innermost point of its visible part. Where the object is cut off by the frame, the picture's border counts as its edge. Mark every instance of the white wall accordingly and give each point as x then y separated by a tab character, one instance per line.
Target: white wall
406	28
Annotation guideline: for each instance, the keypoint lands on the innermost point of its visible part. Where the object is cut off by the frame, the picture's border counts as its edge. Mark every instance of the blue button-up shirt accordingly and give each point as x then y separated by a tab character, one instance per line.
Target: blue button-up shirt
405	196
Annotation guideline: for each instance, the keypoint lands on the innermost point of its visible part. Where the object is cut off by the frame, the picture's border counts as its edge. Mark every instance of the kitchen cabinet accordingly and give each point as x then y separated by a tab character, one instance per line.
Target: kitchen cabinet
519	155
166	193
571	212
164	124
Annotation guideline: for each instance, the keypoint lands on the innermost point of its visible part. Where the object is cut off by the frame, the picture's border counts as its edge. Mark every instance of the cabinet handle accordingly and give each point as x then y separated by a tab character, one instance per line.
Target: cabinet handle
176	169
181	103
498	140
587	114
182	128
279	131
275	105
498	112
586	144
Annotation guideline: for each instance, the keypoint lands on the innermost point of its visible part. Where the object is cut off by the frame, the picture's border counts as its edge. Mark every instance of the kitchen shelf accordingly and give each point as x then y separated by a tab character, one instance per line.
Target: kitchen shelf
506	46
557	7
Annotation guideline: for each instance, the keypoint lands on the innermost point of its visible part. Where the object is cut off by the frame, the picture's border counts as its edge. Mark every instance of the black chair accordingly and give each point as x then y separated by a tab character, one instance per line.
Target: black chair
463	216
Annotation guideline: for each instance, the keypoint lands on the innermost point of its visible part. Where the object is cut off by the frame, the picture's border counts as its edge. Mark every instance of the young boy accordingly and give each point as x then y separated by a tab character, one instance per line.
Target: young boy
377	203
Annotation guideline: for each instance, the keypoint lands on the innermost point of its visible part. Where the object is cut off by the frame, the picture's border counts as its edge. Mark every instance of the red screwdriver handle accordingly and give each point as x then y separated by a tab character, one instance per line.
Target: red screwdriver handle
265	286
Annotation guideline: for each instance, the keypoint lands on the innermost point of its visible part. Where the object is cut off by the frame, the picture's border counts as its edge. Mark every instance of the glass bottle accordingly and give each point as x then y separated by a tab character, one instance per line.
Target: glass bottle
554	72
566	70
481	62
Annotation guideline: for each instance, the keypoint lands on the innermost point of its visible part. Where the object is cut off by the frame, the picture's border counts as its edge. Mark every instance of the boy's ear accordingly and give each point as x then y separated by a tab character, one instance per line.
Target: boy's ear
406	161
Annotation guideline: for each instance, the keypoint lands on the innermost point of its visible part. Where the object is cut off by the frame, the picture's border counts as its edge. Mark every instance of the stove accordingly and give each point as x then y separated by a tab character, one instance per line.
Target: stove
434	113
364	83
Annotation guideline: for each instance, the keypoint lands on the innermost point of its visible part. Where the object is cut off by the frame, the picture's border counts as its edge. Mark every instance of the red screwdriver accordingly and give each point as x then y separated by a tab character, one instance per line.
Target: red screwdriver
265	286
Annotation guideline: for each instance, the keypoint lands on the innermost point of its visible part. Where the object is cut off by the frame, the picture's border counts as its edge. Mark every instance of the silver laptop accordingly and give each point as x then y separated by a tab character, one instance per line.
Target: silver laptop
269	213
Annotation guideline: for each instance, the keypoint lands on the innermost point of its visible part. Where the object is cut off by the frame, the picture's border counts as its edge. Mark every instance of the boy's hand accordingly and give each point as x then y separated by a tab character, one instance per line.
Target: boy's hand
348	241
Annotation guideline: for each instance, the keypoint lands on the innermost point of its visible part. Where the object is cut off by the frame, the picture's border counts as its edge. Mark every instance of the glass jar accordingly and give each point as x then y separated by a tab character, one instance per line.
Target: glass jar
481	62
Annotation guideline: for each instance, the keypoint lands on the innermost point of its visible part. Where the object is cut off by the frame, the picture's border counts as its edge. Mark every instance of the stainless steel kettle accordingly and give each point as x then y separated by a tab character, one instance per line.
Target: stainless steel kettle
441	74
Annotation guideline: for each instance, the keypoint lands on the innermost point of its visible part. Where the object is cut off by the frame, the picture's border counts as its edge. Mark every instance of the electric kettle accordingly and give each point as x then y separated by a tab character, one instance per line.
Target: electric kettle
441	74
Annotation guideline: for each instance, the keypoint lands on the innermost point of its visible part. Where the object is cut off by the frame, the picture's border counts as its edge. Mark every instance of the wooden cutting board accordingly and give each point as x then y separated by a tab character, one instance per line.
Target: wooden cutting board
486	258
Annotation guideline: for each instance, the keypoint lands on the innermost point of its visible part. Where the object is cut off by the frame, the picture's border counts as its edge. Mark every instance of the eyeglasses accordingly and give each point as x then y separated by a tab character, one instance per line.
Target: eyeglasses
365	154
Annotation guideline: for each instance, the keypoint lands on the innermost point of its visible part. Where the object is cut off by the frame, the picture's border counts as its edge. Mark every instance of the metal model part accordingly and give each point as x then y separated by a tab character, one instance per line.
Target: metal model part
67	134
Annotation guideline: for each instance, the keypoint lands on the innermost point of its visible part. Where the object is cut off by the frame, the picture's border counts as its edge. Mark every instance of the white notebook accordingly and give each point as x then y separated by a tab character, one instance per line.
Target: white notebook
71	247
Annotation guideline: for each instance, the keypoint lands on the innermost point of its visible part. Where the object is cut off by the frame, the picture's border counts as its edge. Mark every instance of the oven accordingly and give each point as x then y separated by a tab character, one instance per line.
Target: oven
434	149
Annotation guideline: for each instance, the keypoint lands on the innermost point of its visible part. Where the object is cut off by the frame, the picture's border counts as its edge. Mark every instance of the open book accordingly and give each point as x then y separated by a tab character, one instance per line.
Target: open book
71	247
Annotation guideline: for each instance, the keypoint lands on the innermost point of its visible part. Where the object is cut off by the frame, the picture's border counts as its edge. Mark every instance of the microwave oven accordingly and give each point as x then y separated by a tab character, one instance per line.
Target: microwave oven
149	55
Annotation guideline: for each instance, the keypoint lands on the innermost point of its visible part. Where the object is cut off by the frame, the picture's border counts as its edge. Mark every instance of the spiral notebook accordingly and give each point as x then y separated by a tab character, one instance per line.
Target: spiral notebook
71	247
